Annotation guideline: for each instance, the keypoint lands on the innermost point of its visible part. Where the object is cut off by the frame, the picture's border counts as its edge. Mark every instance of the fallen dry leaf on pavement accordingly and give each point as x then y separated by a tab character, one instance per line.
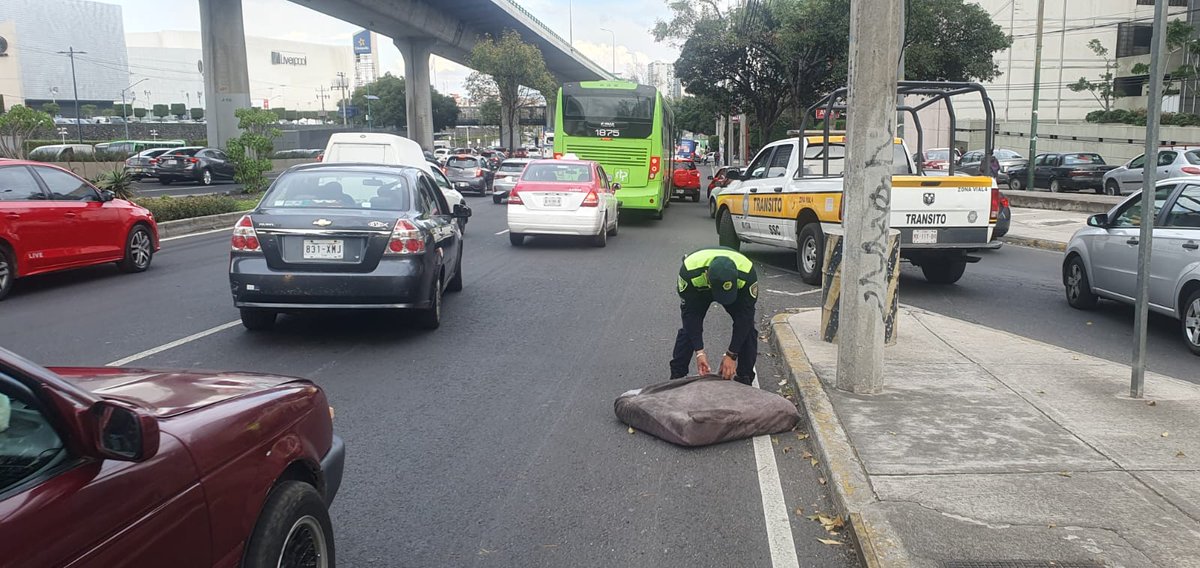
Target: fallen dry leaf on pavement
1152	403
806	455
814	462
1050	526
813	517
802	435
821	480
830	541
1180	454
631	430
787	449
1065	473
799	511
1165	434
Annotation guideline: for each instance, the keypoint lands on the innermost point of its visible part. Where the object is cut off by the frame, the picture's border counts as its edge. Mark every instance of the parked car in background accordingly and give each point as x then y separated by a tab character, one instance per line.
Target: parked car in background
685	179
936	158
297	154
462	152
1007	159
52	219
1062	171
141	165
440	154
718	181
61	152
470	173
132	459
1173	162
563	197
195	164
121	149
343	237
492	158
1101	260
506	177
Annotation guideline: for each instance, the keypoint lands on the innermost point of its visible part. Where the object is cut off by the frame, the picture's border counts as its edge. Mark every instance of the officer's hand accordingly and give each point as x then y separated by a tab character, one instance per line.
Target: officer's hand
702	364
728	367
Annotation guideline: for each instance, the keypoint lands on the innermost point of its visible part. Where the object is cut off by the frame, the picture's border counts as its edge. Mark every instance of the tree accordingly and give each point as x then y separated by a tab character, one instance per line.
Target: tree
489	112
1179	41
445	111
685	16
696	114
87	111
51	109
161	111
291	115
250	152
123	110
19	124
1101	89
509	68
387	112
951	40
197	113
178	109
139	112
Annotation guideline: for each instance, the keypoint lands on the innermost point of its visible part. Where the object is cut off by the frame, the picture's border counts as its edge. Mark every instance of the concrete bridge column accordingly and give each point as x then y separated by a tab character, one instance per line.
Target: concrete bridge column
226	79
417	89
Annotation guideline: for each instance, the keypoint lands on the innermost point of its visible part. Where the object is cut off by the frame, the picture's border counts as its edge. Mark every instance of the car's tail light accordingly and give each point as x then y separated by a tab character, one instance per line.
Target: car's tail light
406	239
655	165
1190	170
129	162
592	200
321	157
153	161
995	204
513	197
558	155
244	237
1081	173
478	172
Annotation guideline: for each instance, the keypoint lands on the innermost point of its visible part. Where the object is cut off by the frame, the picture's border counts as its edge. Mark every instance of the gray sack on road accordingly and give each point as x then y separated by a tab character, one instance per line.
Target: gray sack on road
697	411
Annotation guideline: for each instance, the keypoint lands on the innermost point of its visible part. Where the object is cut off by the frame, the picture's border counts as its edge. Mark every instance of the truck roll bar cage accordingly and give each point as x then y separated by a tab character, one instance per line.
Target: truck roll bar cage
936	91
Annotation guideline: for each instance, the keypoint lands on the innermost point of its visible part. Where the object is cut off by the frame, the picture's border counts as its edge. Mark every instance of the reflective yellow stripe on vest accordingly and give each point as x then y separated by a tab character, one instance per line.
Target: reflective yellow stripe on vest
701	259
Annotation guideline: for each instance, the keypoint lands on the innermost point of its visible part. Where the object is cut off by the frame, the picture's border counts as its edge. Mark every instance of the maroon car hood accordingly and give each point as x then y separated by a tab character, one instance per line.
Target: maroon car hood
169	393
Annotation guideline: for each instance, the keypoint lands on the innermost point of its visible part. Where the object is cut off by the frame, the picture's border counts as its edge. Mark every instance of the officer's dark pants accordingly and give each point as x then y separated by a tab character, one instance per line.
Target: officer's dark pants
681	358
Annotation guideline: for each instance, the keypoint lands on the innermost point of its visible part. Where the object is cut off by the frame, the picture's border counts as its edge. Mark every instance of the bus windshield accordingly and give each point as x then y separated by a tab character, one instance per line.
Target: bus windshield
608	114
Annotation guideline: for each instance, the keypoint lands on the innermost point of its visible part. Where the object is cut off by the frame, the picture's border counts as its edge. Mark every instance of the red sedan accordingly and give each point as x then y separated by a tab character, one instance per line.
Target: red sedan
686	179
111	467
52	219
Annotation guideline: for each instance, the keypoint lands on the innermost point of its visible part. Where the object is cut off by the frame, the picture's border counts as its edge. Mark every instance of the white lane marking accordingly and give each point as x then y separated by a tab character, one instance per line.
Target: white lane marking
779	524
229	230
794	293
173	344
502	232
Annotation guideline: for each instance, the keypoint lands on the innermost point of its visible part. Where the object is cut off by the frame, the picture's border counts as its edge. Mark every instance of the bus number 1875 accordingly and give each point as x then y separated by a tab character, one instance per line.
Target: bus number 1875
608	133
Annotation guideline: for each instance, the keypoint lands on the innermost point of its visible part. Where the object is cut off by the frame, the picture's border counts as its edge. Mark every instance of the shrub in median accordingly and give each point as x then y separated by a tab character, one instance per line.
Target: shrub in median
169	208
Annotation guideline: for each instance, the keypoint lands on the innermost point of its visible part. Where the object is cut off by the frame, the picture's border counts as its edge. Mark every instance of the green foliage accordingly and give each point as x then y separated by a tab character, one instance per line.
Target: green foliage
1138	118
51	109
169	208
18	125
87	111
197	113
139	112
178	109
696	114
951	40
1101	89
489	112
161	111
513	72
445	111
250	152
123	110
117	180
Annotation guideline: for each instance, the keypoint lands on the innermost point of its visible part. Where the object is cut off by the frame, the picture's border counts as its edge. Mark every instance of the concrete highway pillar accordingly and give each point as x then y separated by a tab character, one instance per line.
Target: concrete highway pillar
226	79
417	89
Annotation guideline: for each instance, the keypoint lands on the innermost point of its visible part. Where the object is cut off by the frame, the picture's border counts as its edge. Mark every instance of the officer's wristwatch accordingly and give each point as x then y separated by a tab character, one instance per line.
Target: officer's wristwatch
731	355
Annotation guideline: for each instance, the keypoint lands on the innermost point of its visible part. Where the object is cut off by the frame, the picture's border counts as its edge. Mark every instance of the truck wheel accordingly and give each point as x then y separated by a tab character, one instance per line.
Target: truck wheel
1079	289
293	529
726	234
810	253
944	271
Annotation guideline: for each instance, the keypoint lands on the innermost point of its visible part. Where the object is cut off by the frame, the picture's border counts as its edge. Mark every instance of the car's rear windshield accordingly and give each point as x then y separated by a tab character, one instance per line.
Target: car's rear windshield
340	189
1006	155
512	167
684	165
557	172
937	155
183	152
1082	159
462	163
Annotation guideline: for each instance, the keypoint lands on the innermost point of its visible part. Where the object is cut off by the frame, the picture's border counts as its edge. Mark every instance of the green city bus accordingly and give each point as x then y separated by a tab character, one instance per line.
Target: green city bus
629	129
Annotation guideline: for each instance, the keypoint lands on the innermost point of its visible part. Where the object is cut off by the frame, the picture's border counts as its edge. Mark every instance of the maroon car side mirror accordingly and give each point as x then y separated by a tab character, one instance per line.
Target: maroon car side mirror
124	432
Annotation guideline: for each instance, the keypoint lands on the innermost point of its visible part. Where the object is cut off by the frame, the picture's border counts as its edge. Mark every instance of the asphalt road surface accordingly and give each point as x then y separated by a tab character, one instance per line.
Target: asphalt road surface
491	441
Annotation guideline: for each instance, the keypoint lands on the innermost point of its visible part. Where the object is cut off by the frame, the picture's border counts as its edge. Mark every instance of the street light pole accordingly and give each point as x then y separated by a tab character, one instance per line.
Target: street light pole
1037	89
125	108
75	85
614	50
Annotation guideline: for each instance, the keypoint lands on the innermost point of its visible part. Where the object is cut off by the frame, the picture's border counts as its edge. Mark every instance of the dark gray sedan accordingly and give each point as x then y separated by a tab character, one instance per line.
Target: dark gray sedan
344	237
470	173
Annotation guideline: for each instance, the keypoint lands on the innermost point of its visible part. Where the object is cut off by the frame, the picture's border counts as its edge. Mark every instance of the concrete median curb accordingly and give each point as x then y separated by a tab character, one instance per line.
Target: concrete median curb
1080	203
183	227
1032	242
878	545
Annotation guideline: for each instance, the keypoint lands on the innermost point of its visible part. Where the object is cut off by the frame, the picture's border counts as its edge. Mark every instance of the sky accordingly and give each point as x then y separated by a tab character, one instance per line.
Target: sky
630	21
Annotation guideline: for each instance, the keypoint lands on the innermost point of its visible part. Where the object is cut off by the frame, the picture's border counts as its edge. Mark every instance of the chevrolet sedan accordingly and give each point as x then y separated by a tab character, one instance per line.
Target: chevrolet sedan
103	466
1101	259
336	236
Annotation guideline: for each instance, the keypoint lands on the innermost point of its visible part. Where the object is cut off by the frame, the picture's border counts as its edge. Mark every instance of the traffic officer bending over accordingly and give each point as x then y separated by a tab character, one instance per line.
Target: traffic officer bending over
727	277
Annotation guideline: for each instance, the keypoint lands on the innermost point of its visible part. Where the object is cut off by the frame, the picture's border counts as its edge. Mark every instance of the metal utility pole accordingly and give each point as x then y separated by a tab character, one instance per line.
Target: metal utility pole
70	52
341	84
321	96
124	108
614	50
870	126
900	71
1146	238
1037	88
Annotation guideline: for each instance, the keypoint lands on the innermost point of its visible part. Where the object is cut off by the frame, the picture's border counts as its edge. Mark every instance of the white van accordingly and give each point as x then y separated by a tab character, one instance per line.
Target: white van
390	149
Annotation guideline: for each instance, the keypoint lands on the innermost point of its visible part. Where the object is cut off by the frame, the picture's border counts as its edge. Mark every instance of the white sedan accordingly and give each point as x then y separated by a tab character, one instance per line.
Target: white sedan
563	197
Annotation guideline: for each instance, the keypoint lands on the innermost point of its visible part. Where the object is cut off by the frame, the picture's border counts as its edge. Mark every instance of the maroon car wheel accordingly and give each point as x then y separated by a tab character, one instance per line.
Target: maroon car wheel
293	530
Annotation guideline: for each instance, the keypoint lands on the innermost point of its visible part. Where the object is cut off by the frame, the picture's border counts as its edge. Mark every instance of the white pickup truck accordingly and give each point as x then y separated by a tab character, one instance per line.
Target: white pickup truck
941	219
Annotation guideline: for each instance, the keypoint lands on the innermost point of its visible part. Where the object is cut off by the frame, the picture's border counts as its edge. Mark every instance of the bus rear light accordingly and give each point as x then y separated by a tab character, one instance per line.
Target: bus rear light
655	166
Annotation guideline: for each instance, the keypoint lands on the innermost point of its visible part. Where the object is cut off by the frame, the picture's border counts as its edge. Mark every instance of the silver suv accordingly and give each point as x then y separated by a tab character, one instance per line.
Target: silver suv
1101	259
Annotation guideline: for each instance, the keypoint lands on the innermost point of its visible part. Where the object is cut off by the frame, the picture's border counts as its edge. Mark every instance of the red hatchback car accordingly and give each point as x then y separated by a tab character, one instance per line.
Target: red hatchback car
686	179
108	467
52	219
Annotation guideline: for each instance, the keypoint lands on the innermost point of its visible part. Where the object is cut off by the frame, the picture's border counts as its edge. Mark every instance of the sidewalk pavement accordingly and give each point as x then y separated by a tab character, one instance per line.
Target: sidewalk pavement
1045	229
988	447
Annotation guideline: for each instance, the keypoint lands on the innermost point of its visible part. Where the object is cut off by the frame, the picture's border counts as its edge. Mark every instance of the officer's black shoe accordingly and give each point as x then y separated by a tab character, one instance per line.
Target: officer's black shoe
745	380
